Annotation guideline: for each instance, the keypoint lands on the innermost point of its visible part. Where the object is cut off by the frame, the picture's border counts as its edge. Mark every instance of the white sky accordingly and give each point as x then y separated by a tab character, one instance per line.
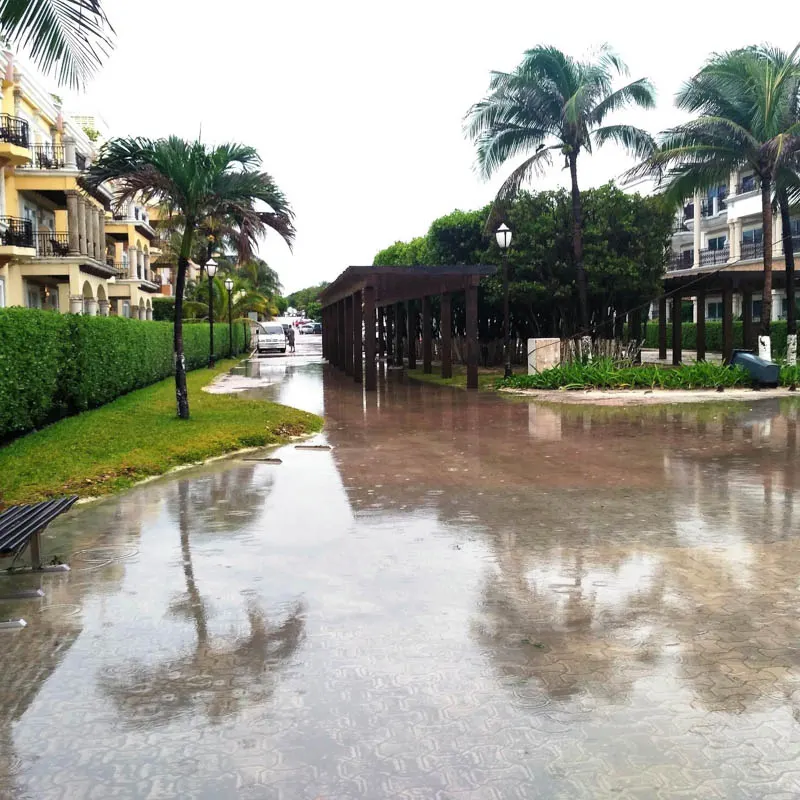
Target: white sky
356	106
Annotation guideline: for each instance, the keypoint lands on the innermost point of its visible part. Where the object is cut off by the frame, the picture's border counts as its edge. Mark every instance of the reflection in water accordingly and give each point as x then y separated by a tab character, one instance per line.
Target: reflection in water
467	596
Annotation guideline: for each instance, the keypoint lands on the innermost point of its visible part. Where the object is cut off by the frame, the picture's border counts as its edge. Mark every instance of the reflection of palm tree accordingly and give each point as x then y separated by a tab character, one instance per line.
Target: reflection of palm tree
246	668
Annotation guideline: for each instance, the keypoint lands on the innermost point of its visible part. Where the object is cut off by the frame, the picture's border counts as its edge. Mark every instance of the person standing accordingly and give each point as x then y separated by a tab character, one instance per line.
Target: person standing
290	337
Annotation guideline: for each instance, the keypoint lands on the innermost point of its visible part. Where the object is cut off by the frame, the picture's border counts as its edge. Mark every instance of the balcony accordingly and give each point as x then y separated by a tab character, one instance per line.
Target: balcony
56	157
751	250
682	260
17	232
51	244
120	269
747	184
710	257
14	139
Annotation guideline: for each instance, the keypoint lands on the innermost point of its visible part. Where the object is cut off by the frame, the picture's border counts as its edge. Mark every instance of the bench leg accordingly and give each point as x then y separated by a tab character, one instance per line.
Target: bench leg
36	558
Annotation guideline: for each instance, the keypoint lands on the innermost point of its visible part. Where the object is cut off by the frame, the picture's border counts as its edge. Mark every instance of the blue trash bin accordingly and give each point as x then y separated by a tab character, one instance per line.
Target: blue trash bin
763	372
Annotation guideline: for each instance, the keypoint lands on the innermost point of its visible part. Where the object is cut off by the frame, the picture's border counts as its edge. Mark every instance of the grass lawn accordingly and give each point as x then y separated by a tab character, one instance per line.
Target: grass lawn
487	377
138	435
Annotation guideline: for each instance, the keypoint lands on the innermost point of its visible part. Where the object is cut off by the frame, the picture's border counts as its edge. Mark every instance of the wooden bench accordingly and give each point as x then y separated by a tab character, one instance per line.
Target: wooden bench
21	526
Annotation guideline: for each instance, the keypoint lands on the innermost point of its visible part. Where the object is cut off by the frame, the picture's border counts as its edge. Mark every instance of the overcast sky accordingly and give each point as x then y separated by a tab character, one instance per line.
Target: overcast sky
356	106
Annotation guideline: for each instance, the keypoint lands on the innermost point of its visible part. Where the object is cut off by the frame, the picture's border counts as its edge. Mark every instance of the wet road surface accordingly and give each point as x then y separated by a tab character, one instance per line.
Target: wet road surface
466	597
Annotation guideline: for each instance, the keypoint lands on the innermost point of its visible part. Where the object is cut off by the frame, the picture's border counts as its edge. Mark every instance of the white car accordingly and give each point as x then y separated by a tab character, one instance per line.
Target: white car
307	328
270	337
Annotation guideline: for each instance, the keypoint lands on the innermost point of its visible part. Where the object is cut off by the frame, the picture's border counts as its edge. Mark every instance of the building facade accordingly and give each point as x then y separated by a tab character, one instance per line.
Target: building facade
61	247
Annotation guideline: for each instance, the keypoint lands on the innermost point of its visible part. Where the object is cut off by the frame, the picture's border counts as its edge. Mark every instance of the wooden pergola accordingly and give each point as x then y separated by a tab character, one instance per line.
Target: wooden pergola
699	284
380	301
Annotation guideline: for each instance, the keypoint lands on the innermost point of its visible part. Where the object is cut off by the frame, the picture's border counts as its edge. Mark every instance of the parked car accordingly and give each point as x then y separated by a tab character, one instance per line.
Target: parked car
270	337
307	328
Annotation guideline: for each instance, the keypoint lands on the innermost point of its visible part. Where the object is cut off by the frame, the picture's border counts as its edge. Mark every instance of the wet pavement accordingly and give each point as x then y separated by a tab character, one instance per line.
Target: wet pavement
466	597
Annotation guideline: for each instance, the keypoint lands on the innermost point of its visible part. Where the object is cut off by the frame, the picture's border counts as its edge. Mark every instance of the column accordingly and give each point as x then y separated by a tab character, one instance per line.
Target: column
101	228
427	336
96	251
70	160
140	263
103	306
358	363
635	333
697	218
73	223
747	319
149	313
348	335
381	334
91	307
472	336
411	334
677	329
731	237
736	244
777	238
370	361
662	328
398	334
727	325
324	332
446	331
2	184
733	183
76	304
82	225
701	326
146	266
131	262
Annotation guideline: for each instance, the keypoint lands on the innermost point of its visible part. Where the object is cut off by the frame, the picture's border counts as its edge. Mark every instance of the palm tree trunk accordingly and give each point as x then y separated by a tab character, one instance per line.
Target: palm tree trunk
764	342
788	250
577	246
181	390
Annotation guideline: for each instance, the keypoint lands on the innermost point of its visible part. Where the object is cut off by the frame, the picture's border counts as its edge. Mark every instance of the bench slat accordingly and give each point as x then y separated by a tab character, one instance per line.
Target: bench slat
19	523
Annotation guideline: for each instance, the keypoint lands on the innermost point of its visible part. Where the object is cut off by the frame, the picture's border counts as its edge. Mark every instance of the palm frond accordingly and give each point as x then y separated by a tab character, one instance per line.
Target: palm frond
636	141
66	38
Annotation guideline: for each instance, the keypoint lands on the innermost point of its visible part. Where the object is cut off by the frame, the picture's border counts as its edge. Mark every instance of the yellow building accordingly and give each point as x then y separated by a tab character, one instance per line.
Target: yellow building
61	248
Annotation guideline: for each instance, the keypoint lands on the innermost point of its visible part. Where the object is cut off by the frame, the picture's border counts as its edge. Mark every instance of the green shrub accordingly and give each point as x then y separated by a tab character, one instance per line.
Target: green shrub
52	365
163	309
605	374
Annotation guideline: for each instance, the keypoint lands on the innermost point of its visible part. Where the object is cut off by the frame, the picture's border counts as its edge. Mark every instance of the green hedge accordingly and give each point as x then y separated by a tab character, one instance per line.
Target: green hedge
714	336
163	309
52	365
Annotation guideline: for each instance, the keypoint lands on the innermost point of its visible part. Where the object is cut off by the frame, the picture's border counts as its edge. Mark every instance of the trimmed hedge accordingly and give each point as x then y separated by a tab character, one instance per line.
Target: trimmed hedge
163	309
53	365
714	335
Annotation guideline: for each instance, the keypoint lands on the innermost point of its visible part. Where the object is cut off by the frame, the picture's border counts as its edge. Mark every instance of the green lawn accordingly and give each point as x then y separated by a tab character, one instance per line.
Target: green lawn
138	435
487	377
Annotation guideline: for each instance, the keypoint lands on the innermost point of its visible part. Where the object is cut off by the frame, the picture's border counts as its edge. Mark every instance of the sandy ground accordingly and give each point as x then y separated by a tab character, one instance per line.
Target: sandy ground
640	397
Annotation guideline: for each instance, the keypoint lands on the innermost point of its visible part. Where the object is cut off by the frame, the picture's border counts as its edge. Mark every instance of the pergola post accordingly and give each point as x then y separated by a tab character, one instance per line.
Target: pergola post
348	335
472	335
381	327
389	311
339	344
427	336
446	331
677	329
701	326
324	333
411	333
358	363
747	318
370	362
635	333
662	328
398	334
727	325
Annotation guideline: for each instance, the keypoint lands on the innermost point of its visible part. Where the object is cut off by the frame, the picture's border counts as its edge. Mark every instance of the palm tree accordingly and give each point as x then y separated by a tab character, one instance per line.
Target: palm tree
552	102
747	101
196	182
66	38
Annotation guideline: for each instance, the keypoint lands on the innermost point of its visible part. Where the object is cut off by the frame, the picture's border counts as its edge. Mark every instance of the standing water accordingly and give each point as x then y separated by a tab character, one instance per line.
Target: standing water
466	596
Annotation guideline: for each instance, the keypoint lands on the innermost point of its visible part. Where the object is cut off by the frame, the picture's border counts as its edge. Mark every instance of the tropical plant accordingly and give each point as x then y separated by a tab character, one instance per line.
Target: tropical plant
261	276
197	182
554	103
65	38
747	104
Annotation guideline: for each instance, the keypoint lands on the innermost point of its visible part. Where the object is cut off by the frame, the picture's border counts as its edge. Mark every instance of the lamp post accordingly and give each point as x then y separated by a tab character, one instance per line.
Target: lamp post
503	236
211	271
229	287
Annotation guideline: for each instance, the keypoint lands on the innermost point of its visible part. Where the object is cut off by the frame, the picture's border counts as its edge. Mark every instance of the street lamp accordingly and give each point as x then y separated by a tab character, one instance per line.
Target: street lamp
503	236
211	271
229	287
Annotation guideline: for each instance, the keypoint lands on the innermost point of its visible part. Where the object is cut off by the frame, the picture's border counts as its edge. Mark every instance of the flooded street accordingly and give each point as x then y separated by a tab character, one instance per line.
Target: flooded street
466	597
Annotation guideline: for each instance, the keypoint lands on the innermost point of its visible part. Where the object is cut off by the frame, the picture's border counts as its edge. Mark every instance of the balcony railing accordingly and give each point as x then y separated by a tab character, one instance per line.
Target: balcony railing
750	250
682	260
18	232
48	156
719	256
120	269
81	161
14	130
50	244
747	184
